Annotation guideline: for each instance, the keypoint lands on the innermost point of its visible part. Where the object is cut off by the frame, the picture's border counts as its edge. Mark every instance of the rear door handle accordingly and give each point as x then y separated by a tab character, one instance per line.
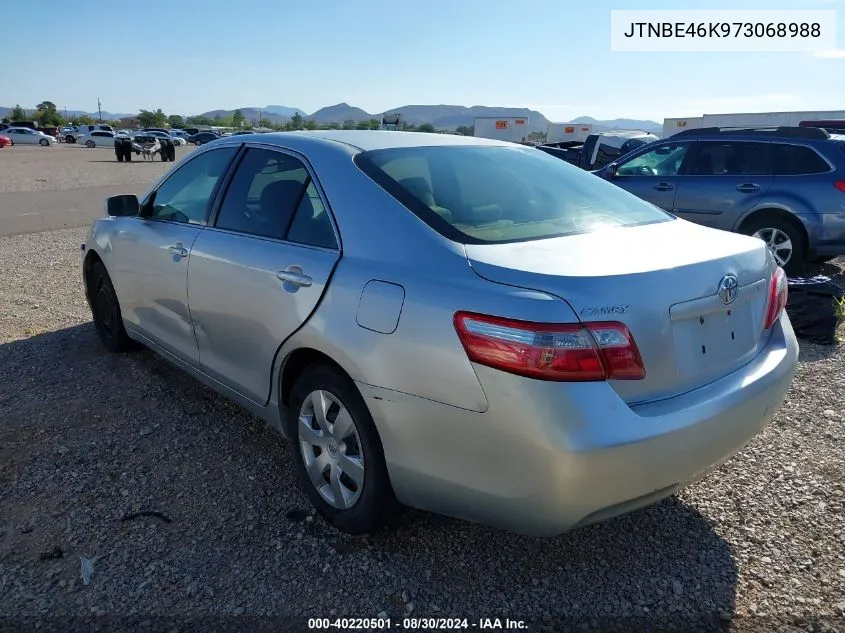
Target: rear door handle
748	187
178	250
294	275
664	186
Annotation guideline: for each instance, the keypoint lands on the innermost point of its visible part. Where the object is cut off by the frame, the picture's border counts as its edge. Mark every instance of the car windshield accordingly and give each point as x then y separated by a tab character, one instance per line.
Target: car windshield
483	195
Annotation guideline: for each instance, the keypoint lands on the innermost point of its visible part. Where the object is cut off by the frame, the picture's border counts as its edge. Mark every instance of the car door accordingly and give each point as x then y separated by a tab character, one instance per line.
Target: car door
653	174
152	252
25	136
723	180
103	139
257	275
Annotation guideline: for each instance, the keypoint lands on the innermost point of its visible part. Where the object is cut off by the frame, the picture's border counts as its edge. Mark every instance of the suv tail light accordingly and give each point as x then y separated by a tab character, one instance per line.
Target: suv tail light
778	291
600	350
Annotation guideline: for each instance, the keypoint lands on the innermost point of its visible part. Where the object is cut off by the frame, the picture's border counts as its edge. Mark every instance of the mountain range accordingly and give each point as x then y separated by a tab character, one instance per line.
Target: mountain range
442	117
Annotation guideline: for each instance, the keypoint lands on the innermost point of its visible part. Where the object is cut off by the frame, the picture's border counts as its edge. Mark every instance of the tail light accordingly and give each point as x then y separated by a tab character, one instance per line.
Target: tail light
600	350
778	291
840	184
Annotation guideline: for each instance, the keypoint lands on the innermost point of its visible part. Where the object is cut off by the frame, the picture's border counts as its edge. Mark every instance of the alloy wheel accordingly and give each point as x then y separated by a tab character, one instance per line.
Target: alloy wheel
778	244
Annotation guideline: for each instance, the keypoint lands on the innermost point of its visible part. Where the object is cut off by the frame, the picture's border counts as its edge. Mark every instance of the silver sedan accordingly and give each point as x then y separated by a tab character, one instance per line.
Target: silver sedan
455	324
26	136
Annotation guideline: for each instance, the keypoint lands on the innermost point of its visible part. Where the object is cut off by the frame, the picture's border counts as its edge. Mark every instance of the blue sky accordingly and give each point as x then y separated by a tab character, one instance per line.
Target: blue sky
550	55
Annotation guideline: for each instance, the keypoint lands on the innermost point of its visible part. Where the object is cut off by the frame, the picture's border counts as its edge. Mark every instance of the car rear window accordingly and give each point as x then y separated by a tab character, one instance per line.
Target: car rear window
798	160
483	194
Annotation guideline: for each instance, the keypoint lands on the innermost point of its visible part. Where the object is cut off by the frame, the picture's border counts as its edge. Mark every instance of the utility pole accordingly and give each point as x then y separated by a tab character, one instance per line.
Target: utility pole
65	113
100	109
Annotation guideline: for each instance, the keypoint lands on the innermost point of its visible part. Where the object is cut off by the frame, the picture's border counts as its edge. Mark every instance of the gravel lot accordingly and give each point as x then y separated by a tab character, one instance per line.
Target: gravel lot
88	438
62	166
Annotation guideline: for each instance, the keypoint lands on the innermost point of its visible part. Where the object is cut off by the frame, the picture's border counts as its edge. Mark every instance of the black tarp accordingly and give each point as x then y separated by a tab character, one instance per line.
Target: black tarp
812	308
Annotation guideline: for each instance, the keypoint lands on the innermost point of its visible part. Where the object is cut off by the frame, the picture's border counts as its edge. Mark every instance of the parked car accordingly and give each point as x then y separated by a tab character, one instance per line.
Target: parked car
201	138
5	141
73	137
530	373
165	135
244	132
28	136
180	134
785	186
97	138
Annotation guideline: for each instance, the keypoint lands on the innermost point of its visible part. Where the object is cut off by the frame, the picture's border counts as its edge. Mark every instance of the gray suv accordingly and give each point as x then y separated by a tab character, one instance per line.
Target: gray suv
784	185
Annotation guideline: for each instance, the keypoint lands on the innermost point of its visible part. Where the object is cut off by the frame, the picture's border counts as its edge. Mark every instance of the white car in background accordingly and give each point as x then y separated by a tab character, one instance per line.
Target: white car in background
97	138
26	136
177	140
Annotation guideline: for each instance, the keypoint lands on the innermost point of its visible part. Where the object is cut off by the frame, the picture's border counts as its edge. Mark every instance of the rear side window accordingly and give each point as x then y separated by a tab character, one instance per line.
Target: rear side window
732	158
481	195
796	160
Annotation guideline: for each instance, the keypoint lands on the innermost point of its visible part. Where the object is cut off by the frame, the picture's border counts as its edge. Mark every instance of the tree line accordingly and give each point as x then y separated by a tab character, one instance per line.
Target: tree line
46	114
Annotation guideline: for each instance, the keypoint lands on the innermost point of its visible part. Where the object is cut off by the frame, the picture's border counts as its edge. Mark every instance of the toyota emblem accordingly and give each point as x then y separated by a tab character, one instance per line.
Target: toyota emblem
728	289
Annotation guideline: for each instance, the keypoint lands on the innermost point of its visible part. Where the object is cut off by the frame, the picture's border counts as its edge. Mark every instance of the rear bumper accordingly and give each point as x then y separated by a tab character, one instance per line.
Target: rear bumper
547	457
826	233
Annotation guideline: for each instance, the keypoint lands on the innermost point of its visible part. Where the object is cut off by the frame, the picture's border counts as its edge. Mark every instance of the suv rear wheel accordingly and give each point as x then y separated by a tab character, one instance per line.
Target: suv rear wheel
784	239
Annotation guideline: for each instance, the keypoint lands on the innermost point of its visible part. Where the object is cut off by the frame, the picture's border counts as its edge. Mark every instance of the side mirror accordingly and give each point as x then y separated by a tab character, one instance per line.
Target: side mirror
611	170
124	205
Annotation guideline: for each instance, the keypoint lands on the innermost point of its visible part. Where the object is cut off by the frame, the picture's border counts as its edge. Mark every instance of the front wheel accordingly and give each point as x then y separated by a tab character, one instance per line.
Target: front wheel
89	144
70	140
337	451
43	142
105	308
197	143
783	239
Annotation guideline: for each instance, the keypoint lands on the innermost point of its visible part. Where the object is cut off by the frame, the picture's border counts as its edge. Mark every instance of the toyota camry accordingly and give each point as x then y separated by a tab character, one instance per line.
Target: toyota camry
460	325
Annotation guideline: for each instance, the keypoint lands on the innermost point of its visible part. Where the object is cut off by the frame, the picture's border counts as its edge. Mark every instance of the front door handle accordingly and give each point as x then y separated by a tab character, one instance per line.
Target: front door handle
748	187
663	186
294	275
178	250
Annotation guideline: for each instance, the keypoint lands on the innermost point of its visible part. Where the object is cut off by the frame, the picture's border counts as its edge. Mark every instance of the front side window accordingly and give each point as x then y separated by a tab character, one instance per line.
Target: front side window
478	195
186	196
664	160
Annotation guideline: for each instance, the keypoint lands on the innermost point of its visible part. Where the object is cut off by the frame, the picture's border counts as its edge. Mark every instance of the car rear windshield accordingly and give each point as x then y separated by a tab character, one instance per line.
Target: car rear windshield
484	194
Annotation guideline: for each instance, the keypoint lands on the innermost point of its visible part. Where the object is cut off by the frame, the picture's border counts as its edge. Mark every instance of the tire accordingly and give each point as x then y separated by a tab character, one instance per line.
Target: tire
171	151
163	152
89	144
44	142
119	154
197	143
764	225
371	501
127	148
69	139
105	309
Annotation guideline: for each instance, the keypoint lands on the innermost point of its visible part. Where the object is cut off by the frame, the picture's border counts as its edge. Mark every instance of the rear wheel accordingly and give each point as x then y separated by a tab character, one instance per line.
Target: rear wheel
171	151
89	144
43	142
105	309
337	451
784	240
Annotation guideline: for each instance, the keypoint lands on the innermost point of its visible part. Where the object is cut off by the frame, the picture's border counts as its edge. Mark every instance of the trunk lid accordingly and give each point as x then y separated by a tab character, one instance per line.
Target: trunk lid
662	281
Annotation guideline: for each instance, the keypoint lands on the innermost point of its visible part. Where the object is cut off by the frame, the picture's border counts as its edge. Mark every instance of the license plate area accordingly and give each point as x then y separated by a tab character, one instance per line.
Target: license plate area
711	337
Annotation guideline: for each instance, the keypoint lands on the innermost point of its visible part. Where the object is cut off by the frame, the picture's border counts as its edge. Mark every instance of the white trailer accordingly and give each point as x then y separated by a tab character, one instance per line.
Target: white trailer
675	125
750	119
513	129
563	132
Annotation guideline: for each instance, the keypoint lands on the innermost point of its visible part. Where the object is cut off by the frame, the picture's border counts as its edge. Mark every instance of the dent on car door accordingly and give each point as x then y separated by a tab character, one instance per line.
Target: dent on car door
257	276
723	180
654	174
152	251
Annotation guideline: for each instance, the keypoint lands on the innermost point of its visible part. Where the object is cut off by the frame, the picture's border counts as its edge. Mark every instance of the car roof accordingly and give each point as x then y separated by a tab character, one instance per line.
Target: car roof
367	140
